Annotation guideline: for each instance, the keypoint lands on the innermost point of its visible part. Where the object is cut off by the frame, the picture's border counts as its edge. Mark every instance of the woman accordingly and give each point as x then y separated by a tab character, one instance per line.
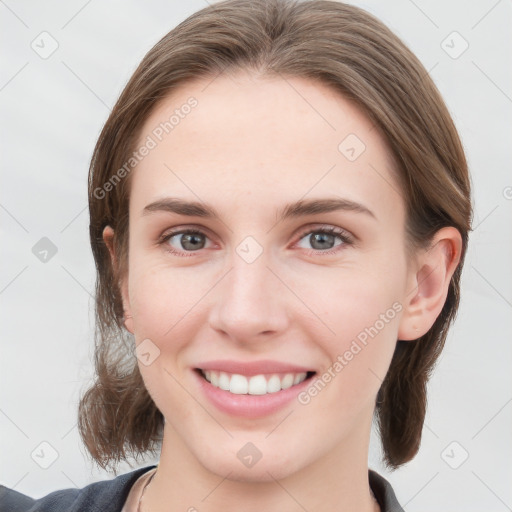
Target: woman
279	214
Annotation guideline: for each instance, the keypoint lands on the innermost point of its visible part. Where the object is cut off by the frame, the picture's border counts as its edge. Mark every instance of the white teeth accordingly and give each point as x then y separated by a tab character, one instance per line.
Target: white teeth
273	384
258	385
223	382
287	381
238	384
255	385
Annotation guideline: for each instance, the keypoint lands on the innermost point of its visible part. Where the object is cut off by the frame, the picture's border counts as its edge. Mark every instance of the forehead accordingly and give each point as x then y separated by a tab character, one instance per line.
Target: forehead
263	138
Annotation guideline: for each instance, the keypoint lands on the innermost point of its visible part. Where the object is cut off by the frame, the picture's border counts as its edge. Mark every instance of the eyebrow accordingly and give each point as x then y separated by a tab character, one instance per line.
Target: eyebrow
299	208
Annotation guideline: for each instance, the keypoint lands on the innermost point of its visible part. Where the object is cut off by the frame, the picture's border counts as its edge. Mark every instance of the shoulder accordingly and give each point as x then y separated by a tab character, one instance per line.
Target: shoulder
107	496
384	493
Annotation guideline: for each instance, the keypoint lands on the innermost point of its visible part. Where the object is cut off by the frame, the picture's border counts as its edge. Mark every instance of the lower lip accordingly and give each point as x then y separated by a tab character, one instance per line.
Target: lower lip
249	406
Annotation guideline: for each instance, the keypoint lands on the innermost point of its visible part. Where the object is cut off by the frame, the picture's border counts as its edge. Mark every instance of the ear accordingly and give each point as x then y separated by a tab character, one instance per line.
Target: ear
428	283
108	238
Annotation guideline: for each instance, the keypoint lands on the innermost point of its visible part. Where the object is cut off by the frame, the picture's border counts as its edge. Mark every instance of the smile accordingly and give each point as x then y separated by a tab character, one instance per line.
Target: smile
261	384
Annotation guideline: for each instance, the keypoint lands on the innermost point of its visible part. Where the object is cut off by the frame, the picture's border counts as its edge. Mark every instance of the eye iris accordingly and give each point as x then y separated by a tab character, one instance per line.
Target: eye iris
322	238
192	238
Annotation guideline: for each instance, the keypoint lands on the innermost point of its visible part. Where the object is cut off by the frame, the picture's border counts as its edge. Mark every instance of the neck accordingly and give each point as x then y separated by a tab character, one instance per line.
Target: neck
338	481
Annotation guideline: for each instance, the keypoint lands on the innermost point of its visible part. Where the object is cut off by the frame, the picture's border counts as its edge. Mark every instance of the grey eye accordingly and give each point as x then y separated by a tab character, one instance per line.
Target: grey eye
188	240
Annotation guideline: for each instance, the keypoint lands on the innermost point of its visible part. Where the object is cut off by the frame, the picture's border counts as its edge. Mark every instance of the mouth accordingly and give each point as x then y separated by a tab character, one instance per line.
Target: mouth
260	384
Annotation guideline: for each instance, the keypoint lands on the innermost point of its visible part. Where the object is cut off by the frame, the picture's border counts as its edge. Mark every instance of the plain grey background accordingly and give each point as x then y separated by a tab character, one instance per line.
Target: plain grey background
63	66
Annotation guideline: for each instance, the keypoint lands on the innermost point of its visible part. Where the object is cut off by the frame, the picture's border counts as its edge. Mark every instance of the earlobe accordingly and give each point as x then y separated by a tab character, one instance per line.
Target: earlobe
429	284
108	238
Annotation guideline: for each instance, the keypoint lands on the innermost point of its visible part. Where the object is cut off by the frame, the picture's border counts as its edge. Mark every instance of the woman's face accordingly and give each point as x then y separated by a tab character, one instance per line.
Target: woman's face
296	264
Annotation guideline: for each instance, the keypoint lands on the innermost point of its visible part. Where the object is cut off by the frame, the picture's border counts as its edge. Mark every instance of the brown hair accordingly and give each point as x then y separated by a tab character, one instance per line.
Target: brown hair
354	53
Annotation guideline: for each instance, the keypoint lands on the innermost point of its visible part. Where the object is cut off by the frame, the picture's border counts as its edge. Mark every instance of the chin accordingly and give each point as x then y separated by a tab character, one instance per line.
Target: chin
228	464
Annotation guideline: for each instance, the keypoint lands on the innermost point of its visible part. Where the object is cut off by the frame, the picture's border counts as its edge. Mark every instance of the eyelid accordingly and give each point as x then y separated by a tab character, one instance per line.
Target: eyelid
336	230
185	229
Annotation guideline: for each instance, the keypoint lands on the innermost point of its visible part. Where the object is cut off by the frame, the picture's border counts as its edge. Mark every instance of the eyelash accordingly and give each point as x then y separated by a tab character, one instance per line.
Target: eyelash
341	234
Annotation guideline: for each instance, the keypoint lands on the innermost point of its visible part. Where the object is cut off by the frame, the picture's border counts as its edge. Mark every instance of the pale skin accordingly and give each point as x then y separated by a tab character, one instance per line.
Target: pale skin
251	146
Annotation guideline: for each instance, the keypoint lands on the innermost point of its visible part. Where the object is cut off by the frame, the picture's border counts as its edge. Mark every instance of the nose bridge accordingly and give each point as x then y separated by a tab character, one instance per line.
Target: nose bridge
250	280
248	302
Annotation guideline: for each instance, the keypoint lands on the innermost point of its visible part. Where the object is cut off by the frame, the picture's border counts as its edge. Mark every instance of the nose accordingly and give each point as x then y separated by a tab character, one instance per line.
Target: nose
250	302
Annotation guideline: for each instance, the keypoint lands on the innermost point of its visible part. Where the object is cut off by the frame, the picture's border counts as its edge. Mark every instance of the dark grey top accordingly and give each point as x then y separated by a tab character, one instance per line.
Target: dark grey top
110	496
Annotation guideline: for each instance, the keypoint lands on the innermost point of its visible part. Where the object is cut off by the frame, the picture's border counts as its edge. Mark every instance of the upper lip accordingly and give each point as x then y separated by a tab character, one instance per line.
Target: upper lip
252	367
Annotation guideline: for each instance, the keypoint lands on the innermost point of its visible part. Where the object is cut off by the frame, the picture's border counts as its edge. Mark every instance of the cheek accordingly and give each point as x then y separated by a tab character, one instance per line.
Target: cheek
162	297
363	313
358	361
354	299
162	309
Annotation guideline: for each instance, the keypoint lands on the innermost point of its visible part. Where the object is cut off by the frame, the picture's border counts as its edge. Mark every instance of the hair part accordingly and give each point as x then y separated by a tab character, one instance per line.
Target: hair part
354	53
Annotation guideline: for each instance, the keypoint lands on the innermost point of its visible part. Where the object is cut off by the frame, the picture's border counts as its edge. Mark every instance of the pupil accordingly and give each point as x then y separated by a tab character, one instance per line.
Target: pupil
321	238
192	239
